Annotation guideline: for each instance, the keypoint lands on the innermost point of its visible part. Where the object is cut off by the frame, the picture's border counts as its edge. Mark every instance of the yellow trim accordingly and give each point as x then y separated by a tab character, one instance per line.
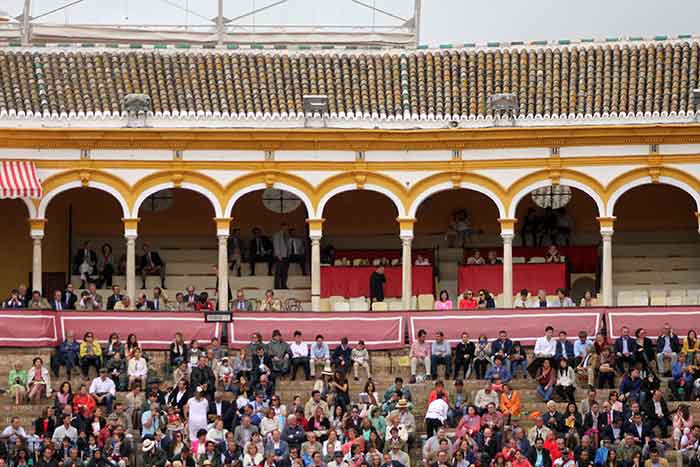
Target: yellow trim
406	223
507	224
131	223
645	172
457	178
85	176
178	177
37	224
606	222
269	178
223	223
315	224
360	179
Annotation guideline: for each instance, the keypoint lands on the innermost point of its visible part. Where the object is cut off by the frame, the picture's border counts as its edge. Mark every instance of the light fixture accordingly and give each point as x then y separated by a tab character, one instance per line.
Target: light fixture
315	103
503	102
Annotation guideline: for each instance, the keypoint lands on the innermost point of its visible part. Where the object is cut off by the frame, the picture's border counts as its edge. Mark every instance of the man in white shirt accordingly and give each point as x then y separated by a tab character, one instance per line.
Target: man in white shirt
65	431
300	356
103	390
545	348
13	433
320	355
522	300
436	414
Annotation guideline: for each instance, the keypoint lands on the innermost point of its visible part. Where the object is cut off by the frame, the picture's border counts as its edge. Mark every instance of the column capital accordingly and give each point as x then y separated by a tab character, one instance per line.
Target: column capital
508	237
507	225
223	226
131	226
406	227
36	228
315	227
606	223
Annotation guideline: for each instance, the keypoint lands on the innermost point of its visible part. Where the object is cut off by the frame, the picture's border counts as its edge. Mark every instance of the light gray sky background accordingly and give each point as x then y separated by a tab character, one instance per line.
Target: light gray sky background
442	21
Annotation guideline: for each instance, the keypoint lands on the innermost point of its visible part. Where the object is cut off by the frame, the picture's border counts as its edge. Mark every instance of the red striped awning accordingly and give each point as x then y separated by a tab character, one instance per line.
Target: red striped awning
18	179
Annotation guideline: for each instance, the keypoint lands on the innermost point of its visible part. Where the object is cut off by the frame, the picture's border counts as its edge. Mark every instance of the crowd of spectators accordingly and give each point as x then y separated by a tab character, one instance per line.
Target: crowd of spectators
208	405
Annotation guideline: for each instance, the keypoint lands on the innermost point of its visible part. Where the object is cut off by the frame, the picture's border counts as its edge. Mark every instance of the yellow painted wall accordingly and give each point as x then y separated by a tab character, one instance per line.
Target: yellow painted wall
434	213
250	212
655	207
15	246
360	213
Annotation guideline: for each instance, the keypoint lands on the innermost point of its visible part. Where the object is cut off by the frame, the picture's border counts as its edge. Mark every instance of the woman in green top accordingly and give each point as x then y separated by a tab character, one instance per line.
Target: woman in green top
17	383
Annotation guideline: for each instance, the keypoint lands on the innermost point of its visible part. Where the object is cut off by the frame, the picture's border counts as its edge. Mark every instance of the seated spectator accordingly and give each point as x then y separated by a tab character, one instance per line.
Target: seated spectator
564	349
468	301
124	304
300	356
625	348
342	356
476	259
38	302
523	300
117	370
85	263
563	300
631	386
667	348
440	354
319	355
360	359
565	385
606	368
464	355
539	431
151	265
681	383
67	355
419	353
422	261
518	360
546	378
492	258
486	299
484	397
691	347
270	303
15	301
86	302
90	354
586	366
552	255
137	369
83	404
482	357
498	371
656	413
509	403
542	300
204	304
17	383
160	300
97	301
588	300
103	390
181	304
143	303
240	303
444	302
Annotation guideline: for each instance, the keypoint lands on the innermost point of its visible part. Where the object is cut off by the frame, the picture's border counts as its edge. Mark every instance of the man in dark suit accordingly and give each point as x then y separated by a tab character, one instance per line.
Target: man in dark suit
595	419
152	264
538	450
614	432
202	376
656	413
69	296
564	349
114	298
222	408
84	255
144	304
57	303
639	431
297	251
260	250
625	349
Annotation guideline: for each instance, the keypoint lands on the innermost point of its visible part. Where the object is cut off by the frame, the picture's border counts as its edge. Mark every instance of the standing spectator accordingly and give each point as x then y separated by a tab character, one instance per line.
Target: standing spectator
202	377
105	265
196	410
376	285
464	354
360	359
300	356
297	250
281	250
440	354
342	356
235	251
85	263
151	264
260	250
320	355
436	414
419	353
667	347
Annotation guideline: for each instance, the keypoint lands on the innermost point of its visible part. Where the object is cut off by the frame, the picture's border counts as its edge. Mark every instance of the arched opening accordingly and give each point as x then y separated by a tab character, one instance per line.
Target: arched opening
655	246
74	217
565	217
178	224
262	220
453	224
16	247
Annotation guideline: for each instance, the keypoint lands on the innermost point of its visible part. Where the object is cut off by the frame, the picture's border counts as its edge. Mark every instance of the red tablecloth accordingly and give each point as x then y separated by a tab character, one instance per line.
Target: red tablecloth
581	259
374	254
354	281
525	276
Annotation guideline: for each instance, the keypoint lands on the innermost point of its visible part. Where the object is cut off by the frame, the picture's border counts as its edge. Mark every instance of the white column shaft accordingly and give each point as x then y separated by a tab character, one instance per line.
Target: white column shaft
607	282
131	267
223	273
507	270
315	273
407	270
36	263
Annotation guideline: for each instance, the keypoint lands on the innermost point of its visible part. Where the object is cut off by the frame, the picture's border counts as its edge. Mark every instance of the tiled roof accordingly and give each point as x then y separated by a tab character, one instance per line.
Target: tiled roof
607	79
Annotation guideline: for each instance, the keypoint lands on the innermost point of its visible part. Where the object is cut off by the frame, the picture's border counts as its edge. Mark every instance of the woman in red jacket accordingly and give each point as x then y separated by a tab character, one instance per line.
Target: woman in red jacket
83	403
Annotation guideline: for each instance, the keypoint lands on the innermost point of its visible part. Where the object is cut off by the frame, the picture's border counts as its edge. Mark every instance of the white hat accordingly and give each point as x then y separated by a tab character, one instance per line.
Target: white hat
148	445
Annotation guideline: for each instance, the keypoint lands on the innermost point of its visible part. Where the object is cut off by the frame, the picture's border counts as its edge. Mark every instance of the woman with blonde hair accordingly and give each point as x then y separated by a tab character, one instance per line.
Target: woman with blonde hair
17	383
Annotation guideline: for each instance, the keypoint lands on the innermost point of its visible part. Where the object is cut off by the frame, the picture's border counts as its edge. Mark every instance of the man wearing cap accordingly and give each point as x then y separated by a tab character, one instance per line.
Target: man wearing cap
397	455
152	454
103	390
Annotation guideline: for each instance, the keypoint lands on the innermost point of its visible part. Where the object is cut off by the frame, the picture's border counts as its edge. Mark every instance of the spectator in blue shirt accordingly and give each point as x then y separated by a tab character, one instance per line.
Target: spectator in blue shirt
502	347
440	353
582	347
66	355
498	370
564	349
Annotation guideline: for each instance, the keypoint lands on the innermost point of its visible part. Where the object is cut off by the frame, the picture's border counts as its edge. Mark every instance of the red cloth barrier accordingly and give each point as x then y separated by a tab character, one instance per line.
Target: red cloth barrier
378	254
522	325
354	281
681	318
525	276
378	330
581	259
28	328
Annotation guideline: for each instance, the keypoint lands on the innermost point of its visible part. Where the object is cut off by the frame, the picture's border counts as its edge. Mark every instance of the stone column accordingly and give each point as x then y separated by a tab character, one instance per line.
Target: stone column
507	233
223	226
131	234
315	234
36	231
406	235
606	283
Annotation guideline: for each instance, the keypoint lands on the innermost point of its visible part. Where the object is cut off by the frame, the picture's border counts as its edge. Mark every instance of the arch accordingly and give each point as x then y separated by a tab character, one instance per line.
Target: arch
270	179
446	181
192	181
65	181
642	176
361	181
29	204
543	178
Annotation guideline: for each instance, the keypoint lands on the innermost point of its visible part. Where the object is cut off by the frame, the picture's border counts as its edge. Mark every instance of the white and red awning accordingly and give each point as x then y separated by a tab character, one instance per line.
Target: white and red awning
18	179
